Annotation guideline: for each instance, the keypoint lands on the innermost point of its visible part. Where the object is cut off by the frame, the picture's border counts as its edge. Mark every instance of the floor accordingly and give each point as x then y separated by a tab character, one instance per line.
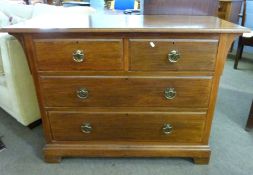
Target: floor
232	146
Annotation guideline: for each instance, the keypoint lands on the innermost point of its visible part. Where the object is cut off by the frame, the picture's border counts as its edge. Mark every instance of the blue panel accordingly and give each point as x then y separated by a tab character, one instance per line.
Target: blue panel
249	21
124	4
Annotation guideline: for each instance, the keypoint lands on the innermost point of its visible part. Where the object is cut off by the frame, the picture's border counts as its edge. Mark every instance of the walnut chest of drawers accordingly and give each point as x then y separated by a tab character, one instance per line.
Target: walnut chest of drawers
126	86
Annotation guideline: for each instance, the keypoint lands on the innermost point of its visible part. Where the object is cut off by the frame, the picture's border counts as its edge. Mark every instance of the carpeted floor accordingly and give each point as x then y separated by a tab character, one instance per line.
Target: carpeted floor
232	146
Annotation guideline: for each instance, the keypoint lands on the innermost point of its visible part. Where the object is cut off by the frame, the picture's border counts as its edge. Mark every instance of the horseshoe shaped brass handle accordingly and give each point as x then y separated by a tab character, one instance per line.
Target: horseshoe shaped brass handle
167	128
78	56
170	93
82	93
86	128
173	56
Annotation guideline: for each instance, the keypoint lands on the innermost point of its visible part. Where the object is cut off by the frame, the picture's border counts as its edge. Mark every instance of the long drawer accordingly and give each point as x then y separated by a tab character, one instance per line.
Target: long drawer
79	55
172	55
125	91
172	128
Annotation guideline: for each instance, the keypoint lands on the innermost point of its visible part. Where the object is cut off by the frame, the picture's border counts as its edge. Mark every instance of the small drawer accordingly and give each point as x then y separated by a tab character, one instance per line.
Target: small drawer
79	55
125	92
172	55
171	128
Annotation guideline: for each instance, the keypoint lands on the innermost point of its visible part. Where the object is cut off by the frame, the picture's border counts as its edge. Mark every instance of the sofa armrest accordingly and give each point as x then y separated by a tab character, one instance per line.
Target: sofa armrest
13	9
3	38
45	9
19	82
1	65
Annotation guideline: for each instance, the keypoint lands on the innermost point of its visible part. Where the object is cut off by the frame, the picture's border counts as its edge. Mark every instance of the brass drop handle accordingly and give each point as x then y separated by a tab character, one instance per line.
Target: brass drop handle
170	93
167	128
82	93
173	56
78	56
86	128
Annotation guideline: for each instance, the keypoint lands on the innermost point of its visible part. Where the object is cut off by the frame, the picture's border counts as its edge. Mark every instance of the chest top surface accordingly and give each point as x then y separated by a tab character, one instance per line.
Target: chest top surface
125	23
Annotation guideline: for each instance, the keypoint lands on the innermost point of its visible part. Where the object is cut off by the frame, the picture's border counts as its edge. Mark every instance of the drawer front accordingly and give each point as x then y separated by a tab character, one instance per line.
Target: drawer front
174	128
174	55
125	92
79	55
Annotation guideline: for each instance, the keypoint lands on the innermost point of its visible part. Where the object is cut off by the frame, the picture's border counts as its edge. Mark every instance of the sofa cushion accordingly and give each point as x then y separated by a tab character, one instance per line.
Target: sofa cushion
2	77
2	81
42	9
16	10
6	20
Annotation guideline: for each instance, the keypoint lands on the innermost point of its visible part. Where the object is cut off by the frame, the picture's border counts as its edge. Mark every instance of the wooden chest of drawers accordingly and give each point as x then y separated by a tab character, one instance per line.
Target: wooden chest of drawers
144	86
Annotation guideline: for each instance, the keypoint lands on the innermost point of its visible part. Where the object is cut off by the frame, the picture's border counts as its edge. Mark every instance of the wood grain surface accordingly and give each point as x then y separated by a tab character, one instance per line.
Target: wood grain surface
125	92
127	127
99	54
100	23
152	54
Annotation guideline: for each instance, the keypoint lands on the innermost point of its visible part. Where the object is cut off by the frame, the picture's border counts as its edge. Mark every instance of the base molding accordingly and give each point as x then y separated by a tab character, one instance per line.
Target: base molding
54	152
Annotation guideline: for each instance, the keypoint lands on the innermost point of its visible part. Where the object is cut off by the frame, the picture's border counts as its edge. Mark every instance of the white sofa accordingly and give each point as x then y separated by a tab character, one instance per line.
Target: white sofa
17	92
